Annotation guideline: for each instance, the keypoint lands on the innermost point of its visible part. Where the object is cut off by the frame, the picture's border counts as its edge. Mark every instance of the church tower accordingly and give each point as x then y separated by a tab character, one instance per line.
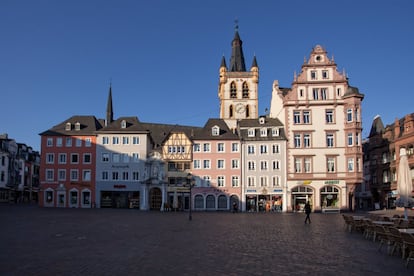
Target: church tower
238	88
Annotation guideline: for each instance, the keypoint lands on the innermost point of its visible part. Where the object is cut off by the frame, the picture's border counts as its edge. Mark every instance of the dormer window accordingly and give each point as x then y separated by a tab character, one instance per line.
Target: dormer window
215	131
250	132
77	126
68	126
275	131
123	124
262	120
263	132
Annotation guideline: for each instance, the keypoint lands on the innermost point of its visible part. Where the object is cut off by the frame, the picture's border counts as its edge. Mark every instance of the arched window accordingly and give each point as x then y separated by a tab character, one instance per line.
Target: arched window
245	90
233	90
198	202
231	111
222	202
247	111
210	202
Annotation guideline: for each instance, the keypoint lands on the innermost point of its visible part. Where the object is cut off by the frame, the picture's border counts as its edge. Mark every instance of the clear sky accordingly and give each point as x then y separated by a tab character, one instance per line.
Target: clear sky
58	58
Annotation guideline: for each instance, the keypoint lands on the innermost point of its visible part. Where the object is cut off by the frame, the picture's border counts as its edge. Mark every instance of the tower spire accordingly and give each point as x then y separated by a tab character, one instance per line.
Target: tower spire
109	109
237	58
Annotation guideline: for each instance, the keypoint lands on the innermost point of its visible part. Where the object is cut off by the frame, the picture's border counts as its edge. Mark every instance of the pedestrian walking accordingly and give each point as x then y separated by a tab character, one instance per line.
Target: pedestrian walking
307	212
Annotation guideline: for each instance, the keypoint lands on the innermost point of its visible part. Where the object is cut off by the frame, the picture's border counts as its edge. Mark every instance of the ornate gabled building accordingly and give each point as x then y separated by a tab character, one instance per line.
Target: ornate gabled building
322	117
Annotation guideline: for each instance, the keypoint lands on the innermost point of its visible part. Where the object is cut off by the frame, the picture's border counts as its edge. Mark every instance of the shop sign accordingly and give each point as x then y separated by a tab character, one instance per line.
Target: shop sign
251	191
278	191
119	186
304	182
331	182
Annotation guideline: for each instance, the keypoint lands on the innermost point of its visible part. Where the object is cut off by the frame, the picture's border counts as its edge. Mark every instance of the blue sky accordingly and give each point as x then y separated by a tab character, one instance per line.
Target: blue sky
58	58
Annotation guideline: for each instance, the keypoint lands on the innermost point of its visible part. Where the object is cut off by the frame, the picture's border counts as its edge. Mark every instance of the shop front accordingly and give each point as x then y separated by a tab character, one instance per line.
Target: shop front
122	196
301	195
264	201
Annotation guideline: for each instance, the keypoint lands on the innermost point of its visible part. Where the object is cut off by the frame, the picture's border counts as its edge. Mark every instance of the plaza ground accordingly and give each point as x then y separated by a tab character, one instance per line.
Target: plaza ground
52	241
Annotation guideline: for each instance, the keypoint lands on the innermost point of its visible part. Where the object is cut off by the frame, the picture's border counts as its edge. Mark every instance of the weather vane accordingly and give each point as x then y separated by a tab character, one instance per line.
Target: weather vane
236	21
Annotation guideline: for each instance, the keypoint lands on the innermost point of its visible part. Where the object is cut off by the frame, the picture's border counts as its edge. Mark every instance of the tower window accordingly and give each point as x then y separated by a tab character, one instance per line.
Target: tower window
245	90
233	90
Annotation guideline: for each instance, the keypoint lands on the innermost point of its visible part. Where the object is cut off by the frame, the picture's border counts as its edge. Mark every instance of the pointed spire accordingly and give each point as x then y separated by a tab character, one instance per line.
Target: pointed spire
254	63
109	110
237	57
223	62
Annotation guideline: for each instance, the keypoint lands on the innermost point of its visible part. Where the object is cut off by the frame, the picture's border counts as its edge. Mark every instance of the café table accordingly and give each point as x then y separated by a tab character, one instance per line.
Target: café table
406	230
382	222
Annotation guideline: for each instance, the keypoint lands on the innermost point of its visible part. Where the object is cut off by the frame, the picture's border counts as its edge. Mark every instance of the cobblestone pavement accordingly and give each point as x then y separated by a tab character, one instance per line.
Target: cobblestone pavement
51	241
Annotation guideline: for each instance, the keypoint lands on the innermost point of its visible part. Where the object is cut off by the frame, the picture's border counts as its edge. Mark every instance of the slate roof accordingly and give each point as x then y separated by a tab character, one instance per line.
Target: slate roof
225	133
246	124
88	125
133	125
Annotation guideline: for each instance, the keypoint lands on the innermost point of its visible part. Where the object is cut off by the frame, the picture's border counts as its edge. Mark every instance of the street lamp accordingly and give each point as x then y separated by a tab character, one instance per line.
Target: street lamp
190	184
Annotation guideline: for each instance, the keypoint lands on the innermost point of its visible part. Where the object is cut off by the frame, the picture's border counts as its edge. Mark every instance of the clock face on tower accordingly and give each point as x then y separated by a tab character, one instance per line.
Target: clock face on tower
240	108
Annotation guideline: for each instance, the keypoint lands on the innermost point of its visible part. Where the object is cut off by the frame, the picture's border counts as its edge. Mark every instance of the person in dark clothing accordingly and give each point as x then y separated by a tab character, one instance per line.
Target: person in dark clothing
307	212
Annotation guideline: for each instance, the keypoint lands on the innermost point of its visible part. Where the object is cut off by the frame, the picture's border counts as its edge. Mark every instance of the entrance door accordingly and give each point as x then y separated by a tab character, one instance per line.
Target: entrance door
299	203
155	199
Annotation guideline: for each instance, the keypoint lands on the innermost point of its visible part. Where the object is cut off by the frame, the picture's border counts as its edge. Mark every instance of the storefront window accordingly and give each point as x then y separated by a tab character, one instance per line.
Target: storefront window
49	196
329	197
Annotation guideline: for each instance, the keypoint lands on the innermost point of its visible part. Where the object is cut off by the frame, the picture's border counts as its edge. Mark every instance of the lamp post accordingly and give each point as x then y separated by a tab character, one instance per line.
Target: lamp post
190	183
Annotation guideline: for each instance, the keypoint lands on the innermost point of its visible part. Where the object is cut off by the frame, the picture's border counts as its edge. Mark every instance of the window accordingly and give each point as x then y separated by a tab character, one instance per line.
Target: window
315	92
306	140
298	165
115	175
115	140
125	157
306	117
105	157
123	124
59	141
78	142
49	175
125	176
135	176
245	90
357	139
68	141
115	157
307	163
105	140
276	148
215	131
88	142
62	158
235	163
250	132
61	174
323	94
220	181
329	140
87	158
135	140
263	132
220	147
206	180
276	181
234	147
49	142
329	116
350	139
125	140
233	90
196	164
50	158
250	181
325	74
206	147
250	149
296	117
275	132
74	175
350	164
220	164
296	140
206	164
276	165
105	175
263	165
331	164
313	75
263	149
251	165
349	115
74	158
86	175
235	181
263	181
197	147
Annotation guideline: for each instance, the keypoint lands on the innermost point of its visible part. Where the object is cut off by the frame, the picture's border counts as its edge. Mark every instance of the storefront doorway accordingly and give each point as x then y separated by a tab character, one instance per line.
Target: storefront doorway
155	199
300	195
